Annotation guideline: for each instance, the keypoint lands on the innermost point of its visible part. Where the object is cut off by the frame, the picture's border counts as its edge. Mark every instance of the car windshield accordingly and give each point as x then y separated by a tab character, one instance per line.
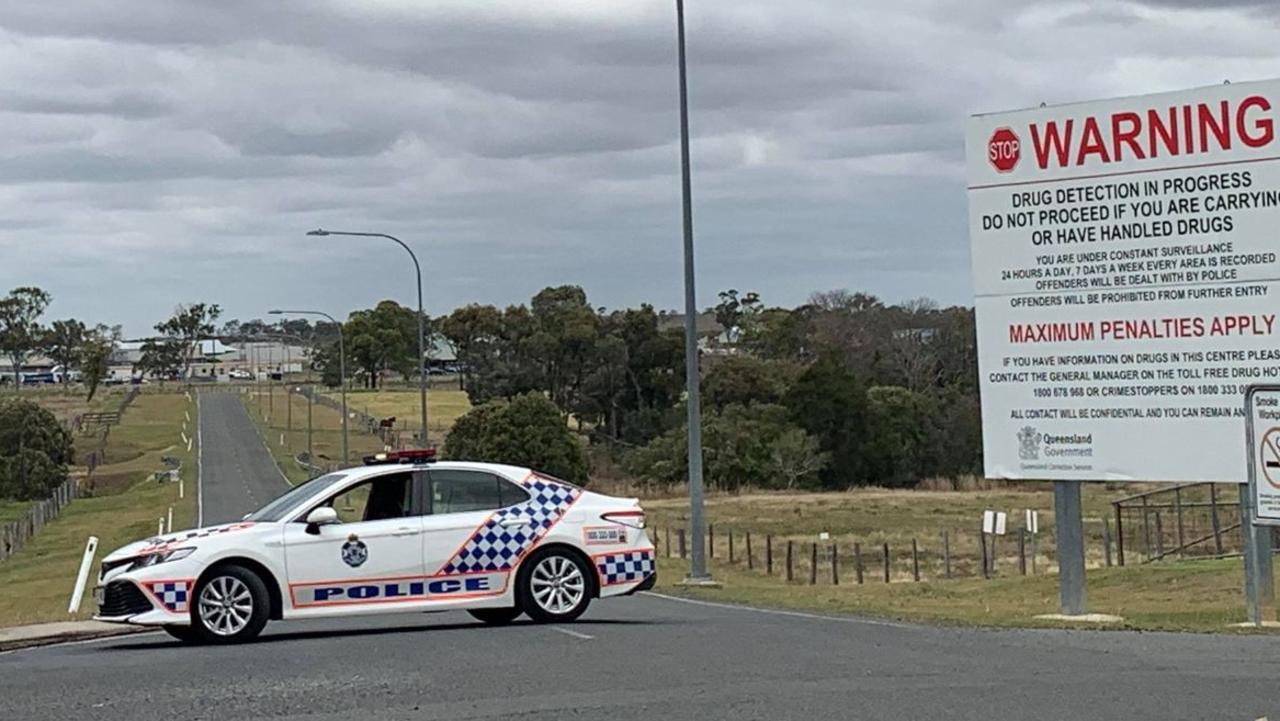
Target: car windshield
293	498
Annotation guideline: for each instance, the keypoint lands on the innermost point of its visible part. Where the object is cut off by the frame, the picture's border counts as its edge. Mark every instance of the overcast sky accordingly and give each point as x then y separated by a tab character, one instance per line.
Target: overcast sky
161	151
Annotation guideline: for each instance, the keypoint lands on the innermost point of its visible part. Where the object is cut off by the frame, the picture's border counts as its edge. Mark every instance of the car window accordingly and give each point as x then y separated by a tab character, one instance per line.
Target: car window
462	491
376	499
293	498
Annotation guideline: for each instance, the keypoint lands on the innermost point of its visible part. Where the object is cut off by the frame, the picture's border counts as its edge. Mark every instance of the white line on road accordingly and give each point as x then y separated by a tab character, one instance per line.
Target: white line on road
778	612
575	634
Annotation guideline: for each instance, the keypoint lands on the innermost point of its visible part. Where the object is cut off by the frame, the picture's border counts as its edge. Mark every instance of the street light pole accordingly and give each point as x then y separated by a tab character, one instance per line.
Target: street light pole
422	347
342	375
698	567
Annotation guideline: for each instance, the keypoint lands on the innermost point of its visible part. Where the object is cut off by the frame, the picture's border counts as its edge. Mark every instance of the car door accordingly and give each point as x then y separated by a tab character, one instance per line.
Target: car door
372	556
469	548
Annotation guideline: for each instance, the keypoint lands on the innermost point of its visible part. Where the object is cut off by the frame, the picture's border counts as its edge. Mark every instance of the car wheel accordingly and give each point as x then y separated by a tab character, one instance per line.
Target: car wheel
555	586
495	616
185	634
232	606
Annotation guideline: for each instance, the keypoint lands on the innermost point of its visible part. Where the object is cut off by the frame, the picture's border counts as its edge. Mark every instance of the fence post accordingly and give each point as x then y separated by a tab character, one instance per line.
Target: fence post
1106	541
1146	530
751	564
986	567
886	562
789	567
680	539
946	554
1120	533
857	562
915	560
835	564
711	541
668	542
813	563
730	545
1177	505
1022	551
1213	511
1159	537
768	554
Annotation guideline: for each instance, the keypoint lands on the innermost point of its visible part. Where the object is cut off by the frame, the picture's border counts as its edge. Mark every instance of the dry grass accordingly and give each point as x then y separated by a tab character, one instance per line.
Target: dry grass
444	406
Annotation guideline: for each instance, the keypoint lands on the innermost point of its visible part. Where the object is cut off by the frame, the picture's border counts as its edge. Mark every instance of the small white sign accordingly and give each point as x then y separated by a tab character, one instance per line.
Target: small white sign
988	521
1001	518
1033	521
824	536
1264	451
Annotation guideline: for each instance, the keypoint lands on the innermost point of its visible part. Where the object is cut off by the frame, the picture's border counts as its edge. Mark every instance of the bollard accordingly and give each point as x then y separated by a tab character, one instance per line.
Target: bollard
857	562
789	572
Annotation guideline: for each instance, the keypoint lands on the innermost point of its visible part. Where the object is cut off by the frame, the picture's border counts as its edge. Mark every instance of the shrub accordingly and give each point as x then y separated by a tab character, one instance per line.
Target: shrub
34	451
526	431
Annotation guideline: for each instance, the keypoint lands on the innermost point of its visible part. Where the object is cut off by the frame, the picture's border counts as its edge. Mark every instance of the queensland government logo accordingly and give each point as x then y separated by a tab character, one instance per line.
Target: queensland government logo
1029	444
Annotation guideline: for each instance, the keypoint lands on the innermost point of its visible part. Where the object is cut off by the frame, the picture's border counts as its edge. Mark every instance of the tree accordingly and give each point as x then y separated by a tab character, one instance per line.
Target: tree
474	331
525	431
744	380
830	403
20	330
733	312
161	359
63	343
34	451
95	355
900	449
189	324
383	338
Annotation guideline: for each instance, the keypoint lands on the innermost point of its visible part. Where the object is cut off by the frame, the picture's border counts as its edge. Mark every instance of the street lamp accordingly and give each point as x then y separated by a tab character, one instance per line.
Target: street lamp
422	349
342	370
698	567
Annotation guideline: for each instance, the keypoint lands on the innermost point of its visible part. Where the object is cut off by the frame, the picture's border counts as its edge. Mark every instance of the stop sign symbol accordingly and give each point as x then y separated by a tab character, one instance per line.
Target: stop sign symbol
1004	149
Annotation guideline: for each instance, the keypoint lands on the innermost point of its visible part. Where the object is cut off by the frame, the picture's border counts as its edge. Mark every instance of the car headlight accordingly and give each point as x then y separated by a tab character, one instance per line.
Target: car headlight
163	556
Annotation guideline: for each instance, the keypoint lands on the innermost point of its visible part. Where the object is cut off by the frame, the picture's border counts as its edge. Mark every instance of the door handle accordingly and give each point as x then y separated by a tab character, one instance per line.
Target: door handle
406	532
509	522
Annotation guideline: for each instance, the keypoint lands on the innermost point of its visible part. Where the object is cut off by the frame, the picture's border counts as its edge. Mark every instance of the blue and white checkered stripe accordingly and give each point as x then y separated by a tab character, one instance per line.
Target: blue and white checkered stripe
172	595
494	547
625	567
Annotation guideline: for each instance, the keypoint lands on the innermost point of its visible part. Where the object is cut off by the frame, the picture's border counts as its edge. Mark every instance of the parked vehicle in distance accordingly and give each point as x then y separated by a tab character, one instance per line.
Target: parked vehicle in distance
239	374
402	534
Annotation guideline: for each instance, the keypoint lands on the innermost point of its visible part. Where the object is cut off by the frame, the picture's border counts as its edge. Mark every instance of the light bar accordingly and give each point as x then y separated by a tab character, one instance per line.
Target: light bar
409	455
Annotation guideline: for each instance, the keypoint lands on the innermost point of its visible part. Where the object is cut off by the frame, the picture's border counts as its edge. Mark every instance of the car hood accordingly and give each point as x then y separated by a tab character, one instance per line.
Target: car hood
182	538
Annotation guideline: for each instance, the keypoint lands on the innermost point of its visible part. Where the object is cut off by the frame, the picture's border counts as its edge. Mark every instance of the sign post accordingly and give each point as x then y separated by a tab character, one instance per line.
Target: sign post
1126	275
1260	504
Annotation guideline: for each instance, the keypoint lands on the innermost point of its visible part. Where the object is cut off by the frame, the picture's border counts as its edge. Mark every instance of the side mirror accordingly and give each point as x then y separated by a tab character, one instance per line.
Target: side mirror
322	516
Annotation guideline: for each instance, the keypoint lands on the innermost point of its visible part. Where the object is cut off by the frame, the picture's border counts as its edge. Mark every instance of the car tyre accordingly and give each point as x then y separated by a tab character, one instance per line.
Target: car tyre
185	634
231	605
555	586
495	616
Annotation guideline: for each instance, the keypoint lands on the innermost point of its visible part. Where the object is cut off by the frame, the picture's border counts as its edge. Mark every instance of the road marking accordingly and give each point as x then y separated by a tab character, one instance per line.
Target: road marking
199	466
779	612
575	634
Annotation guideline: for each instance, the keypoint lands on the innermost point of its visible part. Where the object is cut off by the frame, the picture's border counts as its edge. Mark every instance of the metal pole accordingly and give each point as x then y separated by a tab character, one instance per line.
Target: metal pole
1259	585
1070	532
698	567
311	393
422	345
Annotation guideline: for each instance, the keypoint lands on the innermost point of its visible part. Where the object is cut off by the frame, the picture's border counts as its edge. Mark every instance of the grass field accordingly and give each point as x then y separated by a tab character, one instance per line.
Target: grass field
283	425
444	406
36	584
1190	595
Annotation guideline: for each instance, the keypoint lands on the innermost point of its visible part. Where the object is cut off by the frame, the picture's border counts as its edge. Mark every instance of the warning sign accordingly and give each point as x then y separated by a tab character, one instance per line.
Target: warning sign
1263	408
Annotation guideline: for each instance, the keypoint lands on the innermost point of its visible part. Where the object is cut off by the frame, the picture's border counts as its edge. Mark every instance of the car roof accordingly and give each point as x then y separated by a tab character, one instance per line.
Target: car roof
515	473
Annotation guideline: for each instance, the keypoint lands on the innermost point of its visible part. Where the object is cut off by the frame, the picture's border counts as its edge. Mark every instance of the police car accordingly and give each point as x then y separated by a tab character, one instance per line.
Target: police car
401	534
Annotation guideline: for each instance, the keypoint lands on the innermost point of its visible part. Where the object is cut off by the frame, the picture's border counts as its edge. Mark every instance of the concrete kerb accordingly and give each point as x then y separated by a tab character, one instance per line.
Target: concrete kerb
44	634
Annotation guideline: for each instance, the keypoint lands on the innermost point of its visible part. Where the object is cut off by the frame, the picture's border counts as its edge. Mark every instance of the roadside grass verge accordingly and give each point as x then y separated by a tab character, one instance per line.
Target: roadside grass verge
1201	596
36	584
281	419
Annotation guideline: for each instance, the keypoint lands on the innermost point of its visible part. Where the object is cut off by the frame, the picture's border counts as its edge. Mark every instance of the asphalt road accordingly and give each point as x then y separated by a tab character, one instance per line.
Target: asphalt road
639	658
238	475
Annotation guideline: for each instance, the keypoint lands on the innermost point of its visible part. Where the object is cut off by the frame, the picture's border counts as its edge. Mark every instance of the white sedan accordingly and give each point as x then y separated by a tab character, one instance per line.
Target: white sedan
402	534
